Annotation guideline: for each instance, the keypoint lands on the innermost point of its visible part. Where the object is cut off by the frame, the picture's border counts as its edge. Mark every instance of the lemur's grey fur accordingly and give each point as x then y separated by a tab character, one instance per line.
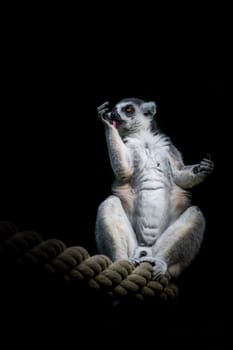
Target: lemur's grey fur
149	216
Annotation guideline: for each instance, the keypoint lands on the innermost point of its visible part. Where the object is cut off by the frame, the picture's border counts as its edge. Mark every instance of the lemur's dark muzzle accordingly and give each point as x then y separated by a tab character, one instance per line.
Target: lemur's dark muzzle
115	116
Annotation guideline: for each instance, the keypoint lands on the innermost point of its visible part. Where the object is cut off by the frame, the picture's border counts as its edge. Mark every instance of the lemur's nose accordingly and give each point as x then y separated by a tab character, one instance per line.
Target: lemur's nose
115	115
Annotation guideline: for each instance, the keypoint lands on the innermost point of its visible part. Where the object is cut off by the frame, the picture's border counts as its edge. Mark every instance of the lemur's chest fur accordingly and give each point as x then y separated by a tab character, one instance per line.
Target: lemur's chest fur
151	193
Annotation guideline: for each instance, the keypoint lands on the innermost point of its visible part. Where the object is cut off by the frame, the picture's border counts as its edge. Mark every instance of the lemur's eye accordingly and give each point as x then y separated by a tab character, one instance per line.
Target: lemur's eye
129	109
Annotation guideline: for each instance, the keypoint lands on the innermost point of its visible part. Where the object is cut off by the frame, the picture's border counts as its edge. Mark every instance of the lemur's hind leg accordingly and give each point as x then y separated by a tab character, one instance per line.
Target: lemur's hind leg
179	243
114	234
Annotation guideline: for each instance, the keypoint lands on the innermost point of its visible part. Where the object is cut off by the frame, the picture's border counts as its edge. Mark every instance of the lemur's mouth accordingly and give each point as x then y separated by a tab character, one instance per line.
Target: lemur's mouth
115	119
115	123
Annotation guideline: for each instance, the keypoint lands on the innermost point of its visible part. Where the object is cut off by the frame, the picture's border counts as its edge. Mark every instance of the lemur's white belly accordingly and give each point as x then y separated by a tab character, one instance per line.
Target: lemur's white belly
151	209
152	202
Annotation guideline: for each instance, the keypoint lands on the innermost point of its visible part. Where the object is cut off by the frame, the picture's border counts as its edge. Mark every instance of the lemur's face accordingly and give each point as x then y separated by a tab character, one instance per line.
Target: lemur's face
128	116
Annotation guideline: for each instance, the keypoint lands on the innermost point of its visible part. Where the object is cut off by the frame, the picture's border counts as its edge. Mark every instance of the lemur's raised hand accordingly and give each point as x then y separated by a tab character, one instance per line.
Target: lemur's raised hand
148	217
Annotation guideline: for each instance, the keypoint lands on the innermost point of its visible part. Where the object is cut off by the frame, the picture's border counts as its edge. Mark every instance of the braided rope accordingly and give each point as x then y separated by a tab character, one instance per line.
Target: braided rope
19	244
43	252
118	279
66	261
7	229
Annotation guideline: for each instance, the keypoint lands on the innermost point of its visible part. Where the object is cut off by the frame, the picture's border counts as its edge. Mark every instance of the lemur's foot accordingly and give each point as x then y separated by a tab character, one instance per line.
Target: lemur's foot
159	266
159	269
135	261
205	167
148	259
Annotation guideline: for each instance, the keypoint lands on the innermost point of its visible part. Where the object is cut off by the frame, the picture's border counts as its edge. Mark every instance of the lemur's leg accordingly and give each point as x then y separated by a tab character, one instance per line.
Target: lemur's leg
179	243
114	234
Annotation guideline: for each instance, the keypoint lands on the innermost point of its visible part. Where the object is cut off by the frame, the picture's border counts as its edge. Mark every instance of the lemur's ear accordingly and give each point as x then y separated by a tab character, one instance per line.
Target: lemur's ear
149	108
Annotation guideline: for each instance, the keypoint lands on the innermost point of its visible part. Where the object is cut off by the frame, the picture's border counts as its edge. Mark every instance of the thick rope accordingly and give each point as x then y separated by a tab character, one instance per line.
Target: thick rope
117	279
18	245
7	229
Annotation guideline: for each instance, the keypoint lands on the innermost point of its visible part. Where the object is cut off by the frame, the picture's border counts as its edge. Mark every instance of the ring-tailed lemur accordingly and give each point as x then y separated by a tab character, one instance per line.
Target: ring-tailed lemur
149	216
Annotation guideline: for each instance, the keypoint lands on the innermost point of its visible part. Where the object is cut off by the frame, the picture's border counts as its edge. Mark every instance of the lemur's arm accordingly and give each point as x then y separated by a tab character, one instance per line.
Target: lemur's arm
120	157
187	176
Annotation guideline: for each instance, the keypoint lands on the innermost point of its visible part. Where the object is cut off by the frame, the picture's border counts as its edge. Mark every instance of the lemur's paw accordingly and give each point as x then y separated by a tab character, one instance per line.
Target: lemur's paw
159	269
205	167
103	113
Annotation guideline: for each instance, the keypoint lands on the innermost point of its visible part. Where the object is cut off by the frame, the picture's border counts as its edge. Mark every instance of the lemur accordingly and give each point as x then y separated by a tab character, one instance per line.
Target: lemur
149	216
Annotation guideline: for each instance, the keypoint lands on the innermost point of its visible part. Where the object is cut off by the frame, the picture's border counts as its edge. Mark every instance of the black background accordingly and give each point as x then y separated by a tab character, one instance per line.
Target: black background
55	169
